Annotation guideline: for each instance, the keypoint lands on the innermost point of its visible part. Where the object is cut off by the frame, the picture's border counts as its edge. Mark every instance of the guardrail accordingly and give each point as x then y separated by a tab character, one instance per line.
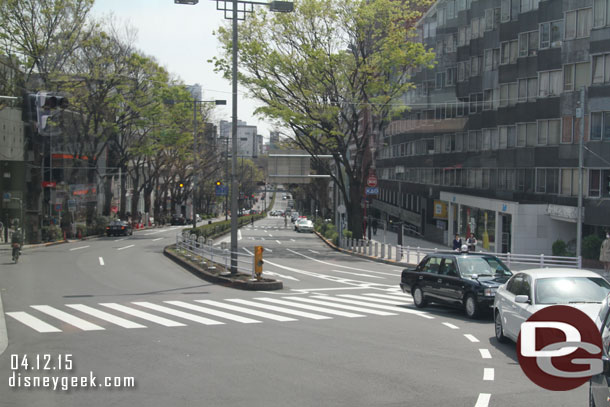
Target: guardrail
198	246
413	255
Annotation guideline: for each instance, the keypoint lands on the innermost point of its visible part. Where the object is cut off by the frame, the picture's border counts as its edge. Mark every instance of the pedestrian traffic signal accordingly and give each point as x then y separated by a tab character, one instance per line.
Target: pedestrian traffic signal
258	261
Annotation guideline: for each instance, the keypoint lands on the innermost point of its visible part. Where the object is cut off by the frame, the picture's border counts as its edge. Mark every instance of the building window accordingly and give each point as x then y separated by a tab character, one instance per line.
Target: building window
488	60
526	134
529	5
440	80
549	83
527	89
547	180
450	9
594	183
475	66
528	43
495	139
508	94
450	76
548	132
575	76
461	36
601	13
508	52
569	182
503	136
505	9
600	126
601	68
578	23
551	34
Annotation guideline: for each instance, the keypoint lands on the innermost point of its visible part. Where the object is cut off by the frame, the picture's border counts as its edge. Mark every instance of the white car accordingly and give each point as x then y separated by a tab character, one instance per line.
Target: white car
303	225
531	290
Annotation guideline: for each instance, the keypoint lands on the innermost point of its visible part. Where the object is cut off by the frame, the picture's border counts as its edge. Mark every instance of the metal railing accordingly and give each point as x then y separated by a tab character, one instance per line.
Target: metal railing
191	245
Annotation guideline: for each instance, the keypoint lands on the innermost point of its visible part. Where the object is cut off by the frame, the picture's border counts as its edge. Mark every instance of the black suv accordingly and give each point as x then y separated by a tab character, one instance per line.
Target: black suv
466	280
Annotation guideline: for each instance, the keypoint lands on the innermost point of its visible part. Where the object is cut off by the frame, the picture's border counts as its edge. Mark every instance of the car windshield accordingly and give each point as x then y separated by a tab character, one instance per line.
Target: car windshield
482	266
571	290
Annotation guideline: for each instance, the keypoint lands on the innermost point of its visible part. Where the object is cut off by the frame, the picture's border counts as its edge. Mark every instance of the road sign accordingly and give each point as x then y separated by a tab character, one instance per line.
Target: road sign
49	184
222	190
57	207
372	191
6	197
371	181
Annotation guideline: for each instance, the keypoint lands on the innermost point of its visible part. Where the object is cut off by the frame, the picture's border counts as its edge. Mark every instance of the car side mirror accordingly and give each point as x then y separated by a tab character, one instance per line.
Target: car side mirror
522	299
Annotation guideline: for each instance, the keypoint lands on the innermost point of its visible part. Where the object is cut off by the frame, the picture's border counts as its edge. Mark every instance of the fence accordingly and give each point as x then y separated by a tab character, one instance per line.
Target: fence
413	255
198	246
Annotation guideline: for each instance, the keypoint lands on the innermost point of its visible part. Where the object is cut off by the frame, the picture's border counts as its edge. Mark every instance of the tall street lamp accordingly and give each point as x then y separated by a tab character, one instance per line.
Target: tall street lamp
235	15
196	153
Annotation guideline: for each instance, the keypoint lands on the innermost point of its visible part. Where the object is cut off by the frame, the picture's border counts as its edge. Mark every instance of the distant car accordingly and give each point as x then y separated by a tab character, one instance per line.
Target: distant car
119	227
465	280
178	220
303	225
294	216
531	290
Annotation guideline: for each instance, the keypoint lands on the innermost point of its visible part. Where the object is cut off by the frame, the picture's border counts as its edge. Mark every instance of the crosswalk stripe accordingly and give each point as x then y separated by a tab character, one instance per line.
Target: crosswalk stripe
247	311
141	314
373	299
113	319
68	318
176	313
33	322
404	297
310	307
342	306
281	309
385	307
217	313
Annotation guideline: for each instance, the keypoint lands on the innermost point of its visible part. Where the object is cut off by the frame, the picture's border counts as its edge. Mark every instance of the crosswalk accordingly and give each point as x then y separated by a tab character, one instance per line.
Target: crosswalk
174	313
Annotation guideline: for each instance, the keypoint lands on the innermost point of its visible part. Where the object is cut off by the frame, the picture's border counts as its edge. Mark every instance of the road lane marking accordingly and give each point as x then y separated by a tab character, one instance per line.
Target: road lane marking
68	318
141	314
313	251
342	306
488	373
214	312
238	234
379	300
271	273
78	248
101	261
384	307
339	265
357	274
159	238
485	353
262	238
270	235
113	319
33	322
126	247
310	307
280	309
176	313
483	400
447	324
471	338
247	311
118	240
292	240
402	298
278	242
268	250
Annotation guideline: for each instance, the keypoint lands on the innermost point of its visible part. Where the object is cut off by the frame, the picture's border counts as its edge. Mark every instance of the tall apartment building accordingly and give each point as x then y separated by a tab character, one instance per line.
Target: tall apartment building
248	144
490	144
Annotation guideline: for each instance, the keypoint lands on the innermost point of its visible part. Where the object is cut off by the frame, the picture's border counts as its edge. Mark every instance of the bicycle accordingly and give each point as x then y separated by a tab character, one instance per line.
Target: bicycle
16	252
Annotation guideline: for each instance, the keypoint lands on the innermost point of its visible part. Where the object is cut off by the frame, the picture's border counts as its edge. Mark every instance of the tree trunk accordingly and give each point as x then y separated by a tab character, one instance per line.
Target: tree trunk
354	209
123	208
107	195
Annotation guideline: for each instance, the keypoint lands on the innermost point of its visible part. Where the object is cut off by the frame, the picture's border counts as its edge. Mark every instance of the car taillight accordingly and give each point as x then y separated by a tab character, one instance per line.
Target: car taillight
107	227
122	227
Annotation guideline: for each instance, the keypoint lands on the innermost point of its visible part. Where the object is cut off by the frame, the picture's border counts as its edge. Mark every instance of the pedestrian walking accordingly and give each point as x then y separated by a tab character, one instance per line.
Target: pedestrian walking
472	243
457	242
604	254
374	224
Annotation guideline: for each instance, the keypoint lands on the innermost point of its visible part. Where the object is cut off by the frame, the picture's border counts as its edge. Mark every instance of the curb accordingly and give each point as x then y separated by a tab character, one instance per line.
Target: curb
362	256
3	331
224	281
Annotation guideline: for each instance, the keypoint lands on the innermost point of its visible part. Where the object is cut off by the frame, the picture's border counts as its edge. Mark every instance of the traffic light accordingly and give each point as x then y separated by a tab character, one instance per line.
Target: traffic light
180	185
258	261
218	183
47	105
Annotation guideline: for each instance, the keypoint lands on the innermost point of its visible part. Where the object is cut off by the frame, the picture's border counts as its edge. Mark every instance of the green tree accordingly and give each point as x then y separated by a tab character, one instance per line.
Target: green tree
323	68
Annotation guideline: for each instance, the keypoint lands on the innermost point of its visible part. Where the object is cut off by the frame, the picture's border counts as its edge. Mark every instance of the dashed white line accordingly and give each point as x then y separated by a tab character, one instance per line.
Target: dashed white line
483	400
159	238
485	353
278	242
270	235
447	324
126	247
292	240
78	248
118	240
101	261
471	338
313	251
488	373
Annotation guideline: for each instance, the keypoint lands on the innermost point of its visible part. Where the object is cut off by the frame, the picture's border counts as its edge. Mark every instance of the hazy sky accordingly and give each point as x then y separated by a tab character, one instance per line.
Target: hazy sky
180	38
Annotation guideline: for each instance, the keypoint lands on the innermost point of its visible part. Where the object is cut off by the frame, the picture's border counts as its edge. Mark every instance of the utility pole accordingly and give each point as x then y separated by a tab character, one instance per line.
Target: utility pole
580	113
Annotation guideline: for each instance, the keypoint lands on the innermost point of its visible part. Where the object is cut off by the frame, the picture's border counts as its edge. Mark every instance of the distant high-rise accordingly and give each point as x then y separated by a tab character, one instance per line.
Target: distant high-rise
247	143
195	91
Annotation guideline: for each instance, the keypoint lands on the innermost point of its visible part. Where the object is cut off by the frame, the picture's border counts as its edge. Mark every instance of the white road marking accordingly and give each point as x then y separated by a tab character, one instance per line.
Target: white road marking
379	300
311	307
278	242
176	313
214	312
270	235
238	234
342	306
384	307
485	353
447	324
292	240
271	273
313	251
126	247
339	265
141	314
262	238
471	338
483	400
247	311
280	309
402	298
78	248
268	250
125	323
357	274
159	238
101	261
488	373
33	322
68	318
118	240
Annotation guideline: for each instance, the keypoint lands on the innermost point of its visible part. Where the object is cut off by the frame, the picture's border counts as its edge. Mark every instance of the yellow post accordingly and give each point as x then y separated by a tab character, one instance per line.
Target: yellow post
258	261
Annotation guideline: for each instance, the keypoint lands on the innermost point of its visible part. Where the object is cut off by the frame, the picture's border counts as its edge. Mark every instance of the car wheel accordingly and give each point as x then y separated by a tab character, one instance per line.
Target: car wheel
418	298
499	328
471	307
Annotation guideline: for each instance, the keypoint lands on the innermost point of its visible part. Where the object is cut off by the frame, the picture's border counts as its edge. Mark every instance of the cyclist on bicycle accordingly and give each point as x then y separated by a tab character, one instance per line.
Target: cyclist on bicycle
16	243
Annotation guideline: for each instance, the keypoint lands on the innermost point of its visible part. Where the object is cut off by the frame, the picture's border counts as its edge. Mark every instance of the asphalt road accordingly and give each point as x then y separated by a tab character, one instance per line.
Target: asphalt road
339	334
